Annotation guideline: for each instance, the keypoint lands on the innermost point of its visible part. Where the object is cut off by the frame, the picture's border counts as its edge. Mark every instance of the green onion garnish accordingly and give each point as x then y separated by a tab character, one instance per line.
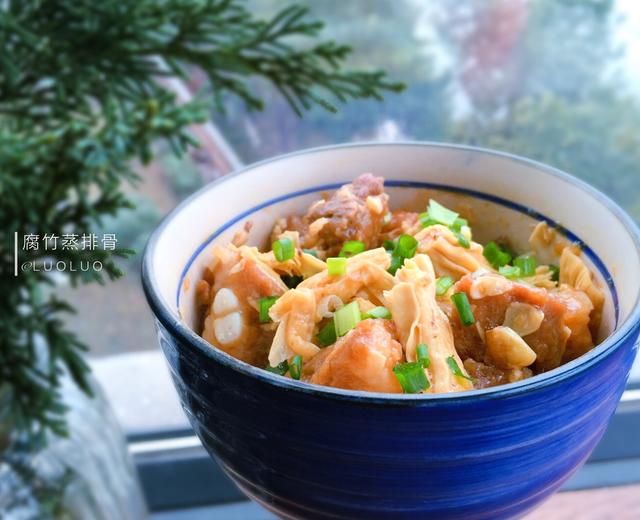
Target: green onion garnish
462	240
346	318
426	220
311	252
411	377
422	354
555	272
291	280
264	304
377	312
464	308
527	265
396	263
406	247
389	245
510	271
280	369
453	366
443	284
295	367
337	266
459	223
327	334
495	255
441	214
352	248
283	249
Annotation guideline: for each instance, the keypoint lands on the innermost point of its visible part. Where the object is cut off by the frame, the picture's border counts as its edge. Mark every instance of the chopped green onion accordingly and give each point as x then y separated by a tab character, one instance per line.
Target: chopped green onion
426	220
411	377
295	367
443	284
283	249
462	240
291	280
506	247
311	252
459	223
422	354
453	366
510	271
555	272
406	247
377	312
327	334
441	214
346	318
352	248
464	308
527	265
280	369
396	263
495	255
337	266
264	304
389	245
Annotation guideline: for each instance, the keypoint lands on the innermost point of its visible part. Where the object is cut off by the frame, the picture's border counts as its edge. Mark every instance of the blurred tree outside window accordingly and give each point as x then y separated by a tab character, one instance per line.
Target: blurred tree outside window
553	80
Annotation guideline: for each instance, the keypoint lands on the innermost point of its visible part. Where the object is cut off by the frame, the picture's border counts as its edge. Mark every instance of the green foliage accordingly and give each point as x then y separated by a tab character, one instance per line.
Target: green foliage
82	96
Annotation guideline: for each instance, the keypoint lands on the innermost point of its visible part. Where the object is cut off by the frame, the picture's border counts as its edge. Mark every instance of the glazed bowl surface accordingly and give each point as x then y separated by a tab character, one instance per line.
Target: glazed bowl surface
310	452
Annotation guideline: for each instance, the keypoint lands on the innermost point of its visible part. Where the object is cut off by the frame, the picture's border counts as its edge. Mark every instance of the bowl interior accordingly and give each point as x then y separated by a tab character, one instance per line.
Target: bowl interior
502	195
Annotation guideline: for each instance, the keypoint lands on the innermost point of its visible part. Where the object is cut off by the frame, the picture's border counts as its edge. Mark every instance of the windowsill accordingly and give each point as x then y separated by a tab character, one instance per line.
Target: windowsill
623	502
140	390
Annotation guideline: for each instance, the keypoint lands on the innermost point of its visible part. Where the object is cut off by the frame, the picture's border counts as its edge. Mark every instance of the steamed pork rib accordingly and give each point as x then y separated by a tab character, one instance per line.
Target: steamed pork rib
398	223
354	212
361	360
488	375
539	321
356	296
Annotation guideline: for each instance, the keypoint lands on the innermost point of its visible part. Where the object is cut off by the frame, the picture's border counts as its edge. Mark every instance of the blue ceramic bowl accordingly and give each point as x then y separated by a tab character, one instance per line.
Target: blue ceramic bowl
305	451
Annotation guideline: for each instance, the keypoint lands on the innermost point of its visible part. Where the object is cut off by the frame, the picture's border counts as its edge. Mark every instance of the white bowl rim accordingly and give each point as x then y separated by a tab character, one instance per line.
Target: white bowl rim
170	319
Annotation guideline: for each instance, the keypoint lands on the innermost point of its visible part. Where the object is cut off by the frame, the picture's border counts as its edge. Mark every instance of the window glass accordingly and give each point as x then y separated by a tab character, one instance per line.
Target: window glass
553	80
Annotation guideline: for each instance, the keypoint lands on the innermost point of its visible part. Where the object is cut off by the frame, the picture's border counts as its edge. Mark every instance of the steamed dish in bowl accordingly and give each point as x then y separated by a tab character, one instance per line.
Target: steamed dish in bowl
381	318
355	296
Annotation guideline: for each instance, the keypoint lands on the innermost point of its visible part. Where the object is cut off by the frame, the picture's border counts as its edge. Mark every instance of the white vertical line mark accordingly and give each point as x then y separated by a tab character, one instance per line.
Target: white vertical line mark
15	253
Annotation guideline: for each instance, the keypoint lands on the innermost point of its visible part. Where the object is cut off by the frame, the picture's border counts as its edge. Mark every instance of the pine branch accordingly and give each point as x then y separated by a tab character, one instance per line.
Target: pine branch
80	99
